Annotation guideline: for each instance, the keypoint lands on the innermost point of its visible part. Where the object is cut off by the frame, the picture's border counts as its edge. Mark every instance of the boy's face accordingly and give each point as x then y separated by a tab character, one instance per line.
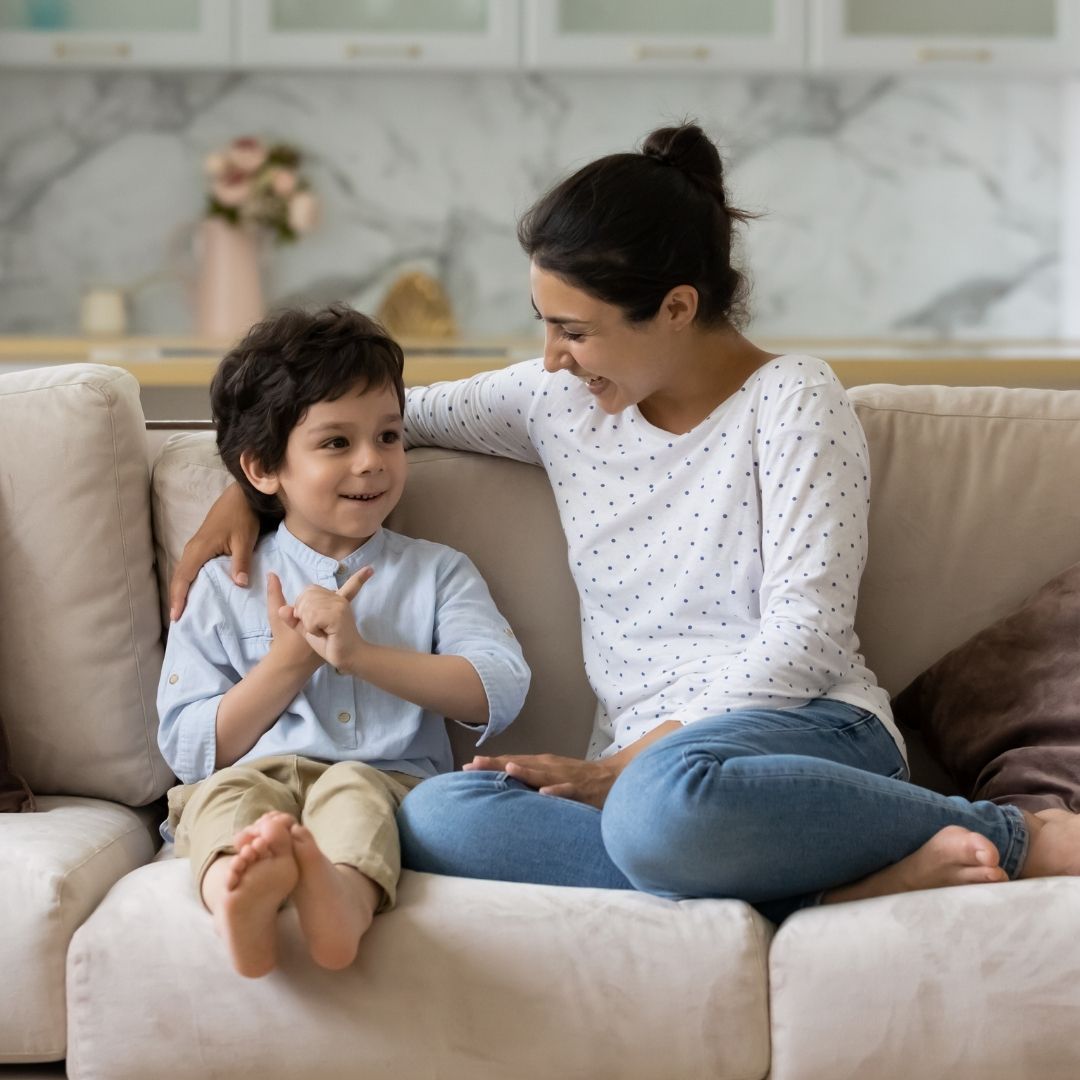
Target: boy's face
344	470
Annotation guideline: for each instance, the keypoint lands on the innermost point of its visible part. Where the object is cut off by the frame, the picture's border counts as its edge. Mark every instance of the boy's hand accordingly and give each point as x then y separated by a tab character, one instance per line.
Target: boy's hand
289	645
326	620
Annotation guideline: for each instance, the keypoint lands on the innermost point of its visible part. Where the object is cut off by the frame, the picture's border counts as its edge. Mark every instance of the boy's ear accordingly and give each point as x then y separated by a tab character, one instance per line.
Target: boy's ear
261	479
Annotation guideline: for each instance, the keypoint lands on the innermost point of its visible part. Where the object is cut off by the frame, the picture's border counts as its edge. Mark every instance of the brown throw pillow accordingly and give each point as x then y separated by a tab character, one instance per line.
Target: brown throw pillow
1002	711
14	794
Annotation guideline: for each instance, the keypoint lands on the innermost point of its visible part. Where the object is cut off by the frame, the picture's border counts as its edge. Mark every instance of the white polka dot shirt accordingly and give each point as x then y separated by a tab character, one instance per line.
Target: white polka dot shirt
717	569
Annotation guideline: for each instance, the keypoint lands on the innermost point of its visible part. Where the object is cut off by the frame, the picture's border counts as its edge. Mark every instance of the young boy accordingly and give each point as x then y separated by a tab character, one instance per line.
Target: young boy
297	728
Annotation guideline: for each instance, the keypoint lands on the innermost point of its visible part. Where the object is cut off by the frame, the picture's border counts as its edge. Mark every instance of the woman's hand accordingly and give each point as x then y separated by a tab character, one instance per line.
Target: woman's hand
571	778
568	778
230	528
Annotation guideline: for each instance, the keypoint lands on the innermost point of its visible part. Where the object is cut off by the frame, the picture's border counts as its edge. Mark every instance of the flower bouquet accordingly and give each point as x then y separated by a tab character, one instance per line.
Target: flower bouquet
252	182
254	189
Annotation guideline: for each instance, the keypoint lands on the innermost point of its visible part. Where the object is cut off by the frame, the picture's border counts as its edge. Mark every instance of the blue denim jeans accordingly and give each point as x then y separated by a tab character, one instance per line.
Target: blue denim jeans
768	806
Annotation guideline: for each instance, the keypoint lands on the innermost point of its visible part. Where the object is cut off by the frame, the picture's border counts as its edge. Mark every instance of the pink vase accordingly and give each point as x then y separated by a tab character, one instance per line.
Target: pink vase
229	296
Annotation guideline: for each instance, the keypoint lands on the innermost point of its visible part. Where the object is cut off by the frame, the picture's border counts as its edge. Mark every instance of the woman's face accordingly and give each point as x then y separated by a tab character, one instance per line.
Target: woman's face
619	362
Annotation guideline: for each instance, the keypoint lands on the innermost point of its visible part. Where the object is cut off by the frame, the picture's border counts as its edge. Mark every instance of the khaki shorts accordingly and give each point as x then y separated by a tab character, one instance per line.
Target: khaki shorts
349	807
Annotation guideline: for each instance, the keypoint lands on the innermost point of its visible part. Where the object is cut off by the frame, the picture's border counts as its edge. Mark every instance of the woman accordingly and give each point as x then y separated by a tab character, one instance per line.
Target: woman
714	499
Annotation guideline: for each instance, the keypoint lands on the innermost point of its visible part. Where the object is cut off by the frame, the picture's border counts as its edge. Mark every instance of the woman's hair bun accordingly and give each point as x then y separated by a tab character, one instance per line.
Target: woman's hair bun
688	149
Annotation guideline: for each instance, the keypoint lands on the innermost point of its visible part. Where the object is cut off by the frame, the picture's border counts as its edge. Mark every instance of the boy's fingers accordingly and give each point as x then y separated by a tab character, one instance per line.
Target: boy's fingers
274	591
356	582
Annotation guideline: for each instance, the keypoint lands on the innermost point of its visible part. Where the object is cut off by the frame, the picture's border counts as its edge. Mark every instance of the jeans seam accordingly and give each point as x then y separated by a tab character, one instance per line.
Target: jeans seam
1019	841
909	794
807	729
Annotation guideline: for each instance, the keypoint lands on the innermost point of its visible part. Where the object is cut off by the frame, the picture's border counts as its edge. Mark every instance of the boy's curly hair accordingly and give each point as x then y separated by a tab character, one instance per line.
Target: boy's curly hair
264	386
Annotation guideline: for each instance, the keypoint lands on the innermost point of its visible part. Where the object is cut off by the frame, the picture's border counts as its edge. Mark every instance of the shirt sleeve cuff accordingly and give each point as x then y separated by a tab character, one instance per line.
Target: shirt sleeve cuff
197	749
505	693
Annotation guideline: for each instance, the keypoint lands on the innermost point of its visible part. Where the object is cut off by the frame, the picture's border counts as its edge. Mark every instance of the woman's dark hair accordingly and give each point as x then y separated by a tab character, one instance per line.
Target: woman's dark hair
630	227
264	386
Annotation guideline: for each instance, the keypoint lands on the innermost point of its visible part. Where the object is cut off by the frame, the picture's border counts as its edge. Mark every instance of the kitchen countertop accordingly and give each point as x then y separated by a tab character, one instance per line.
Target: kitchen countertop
190	362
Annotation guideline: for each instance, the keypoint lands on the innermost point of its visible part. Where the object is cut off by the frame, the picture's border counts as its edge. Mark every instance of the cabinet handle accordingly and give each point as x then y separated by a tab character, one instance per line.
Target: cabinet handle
361	50
930	54
91	50
670	52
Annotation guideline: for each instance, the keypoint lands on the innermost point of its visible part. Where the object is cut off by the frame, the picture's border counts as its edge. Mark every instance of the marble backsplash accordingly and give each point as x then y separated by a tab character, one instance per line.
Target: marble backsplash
918	207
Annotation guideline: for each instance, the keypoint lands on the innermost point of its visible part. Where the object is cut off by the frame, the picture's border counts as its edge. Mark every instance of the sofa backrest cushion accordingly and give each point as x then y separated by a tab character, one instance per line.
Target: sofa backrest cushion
14	794
975	503
500	513
80	637
1002	711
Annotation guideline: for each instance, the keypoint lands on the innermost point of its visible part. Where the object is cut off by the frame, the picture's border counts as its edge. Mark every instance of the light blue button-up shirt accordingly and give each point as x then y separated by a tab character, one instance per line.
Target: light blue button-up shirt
423	597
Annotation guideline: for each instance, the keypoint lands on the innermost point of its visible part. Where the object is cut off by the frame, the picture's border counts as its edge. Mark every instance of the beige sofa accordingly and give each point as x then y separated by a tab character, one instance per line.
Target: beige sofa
108	959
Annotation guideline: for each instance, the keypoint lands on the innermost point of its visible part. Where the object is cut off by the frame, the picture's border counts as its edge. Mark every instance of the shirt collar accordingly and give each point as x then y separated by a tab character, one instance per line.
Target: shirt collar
299	552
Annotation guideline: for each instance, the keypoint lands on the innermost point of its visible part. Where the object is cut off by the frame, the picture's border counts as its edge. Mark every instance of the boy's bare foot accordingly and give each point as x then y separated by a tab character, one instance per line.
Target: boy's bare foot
1053	844
336	903
954	856
245	895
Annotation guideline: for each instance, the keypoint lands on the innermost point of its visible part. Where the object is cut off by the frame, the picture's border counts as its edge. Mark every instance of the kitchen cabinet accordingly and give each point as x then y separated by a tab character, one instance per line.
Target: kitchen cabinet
115	33
471	34
1038	36
1033	36
679	35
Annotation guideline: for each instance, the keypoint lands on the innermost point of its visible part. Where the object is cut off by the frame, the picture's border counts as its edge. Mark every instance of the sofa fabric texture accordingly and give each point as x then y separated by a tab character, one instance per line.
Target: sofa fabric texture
14	794
78	692
468	979
462	980
1001	711
56	865
974	505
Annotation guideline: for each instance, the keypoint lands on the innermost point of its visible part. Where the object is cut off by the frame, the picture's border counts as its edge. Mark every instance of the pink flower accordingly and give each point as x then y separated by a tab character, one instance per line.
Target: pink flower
246	153
303	211
260	184
282	182
232	188
215	164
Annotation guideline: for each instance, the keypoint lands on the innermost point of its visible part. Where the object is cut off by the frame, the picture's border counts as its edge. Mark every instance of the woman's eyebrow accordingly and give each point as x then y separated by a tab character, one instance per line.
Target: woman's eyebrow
556	320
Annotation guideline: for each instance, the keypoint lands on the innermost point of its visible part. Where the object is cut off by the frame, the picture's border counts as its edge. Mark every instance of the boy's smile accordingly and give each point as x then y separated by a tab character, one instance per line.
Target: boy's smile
344	470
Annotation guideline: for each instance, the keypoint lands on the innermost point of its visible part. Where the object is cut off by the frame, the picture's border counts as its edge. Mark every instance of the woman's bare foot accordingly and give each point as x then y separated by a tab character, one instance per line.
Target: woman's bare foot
336	903
244	892
954	856
1053	844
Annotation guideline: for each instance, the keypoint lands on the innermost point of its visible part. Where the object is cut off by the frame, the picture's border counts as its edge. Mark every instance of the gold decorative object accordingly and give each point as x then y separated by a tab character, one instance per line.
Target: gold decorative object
416	306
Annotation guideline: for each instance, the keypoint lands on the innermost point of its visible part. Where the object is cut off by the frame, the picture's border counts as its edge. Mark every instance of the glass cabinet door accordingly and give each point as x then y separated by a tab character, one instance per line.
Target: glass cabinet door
1035	35
380	33
675	35
115	33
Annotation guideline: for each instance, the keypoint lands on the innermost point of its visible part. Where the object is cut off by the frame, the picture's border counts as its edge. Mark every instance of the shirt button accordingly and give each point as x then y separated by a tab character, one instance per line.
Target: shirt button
173	679
342	568
343	717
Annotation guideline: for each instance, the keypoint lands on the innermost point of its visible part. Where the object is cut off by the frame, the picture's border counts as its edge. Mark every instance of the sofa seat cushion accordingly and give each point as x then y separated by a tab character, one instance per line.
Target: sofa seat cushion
55	867
976	982
462	979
